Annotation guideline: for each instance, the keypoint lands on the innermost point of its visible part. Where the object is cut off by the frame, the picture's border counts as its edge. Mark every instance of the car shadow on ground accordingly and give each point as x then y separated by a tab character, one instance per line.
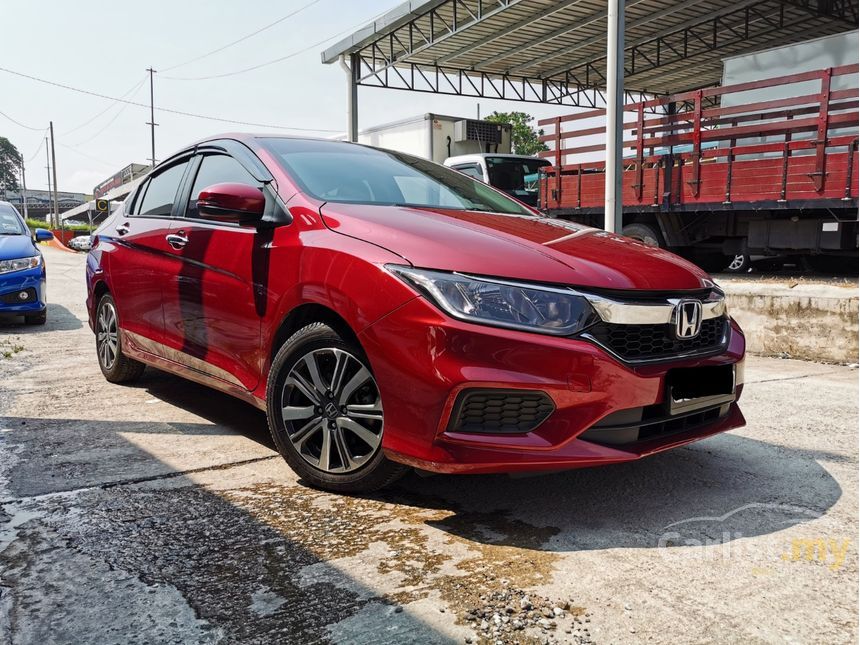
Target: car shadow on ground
753	483
222	410
59	319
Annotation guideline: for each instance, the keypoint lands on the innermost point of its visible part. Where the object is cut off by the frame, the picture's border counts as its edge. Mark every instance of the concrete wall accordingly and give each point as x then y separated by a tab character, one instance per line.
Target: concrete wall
808	321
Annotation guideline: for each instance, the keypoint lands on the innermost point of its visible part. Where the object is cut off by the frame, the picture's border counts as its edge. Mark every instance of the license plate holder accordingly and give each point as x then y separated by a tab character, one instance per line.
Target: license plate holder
695	388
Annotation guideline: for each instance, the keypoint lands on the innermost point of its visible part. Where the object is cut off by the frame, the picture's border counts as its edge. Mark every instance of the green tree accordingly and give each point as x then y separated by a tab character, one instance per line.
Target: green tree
10	164
524	137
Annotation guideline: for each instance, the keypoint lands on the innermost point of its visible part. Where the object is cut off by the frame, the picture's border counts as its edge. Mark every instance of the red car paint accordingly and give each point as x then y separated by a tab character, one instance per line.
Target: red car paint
212	312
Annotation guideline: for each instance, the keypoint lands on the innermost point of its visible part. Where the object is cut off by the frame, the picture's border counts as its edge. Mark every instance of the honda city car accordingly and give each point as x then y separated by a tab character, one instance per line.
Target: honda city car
22	269
389	313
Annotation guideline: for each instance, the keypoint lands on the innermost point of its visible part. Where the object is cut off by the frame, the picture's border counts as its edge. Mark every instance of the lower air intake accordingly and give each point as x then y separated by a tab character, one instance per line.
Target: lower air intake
499	411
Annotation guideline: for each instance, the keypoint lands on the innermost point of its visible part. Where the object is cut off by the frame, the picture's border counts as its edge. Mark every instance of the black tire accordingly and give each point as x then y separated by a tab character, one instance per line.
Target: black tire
709	261
645	233
739	263
114	364
323	437
37	319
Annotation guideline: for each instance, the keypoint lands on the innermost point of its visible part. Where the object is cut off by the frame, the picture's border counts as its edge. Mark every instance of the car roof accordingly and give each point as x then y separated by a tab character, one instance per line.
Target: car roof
485	155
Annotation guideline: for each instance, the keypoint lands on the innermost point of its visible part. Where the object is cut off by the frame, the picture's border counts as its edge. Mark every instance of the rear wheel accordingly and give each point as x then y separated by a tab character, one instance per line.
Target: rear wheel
325	413
115	365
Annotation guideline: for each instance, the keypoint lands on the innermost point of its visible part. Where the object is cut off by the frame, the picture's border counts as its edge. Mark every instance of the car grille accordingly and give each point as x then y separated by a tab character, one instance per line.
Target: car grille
499	411
652	342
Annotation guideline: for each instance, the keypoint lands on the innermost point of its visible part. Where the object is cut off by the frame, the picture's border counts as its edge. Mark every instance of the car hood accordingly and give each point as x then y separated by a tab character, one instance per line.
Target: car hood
16	246
537	249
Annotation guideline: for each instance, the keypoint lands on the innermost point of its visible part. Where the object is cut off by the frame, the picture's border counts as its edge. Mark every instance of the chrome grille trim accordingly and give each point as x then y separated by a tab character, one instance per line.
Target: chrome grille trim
620	312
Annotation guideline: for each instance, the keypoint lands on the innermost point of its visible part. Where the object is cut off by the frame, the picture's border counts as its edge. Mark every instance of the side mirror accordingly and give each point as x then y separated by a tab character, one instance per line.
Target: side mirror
42	235
231	203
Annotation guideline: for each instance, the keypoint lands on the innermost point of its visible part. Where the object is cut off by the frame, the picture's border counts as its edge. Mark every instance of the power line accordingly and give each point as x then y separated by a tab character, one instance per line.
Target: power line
276	60
162	109
106	125
86	156
41	143
243	38
27	127
129	92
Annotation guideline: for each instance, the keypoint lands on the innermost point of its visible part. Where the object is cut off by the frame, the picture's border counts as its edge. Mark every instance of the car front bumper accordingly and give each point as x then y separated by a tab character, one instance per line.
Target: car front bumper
30	281
423	360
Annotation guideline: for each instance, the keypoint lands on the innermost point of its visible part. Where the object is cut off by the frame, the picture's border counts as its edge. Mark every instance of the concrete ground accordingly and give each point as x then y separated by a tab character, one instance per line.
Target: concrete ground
160	513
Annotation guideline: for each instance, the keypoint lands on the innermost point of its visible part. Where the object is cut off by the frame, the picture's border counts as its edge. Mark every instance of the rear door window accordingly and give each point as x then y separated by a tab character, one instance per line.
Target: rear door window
160	192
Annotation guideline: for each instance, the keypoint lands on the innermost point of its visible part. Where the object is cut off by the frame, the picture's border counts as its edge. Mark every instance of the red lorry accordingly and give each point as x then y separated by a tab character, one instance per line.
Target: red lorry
711	178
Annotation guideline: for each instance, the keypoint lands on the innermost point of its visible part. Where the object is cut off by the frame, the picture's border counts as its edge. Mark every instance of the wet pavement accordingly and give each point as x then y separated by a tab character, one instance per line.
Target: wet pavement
160	513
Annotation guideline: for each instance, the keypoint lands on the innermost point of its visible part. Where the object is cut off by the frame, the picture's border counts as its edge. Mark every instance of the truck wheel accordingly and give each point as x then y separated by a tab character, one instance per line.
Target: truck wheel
644	233
710	261
325	413
740	264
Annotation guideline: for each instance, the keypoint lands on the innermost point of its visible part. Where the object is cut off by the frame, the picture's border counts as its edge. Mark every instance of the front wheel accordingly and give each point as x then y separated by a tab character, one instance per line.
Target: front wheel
740	264
325	413
644	233
37	319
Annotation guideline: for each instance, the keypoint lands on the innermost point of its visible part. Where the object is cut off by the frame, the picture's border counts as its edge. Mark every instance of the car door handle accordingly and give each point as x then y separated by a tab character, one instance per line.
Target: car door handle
177	240
122	229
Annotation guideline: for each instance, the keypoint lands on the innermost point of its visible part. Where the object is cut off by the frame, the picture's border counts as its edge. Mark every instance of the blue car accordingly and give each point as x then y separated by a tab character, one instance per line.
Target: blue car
22	269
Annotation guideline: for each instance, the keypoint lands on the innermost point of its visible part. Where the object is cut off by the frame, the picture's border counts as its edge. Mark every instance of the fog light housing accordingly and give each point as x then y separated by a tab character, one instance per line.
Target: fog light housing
497	411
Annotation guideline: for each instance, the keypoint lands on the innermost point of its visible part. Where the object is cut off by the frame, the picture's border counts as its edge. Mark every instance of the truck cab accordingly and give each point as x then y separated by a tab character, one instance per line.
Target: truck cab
517	175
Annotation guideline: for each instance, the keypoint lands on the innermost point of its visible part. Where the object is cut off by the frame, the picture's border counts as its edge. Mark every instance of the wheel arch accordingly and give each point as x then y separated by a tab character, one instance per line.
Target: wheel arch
100	288
304	314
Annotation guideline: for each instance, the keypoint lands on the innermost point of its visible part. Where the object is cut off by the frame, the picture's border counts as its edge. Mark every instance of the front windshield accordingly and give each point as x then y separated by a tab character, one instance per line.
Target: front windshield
10	223
335	171
518	177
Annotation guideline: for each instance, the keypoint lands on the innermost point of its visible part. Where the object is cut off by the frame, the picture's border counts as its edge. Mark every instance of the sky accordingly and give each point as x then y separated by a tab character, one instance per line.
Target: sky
105	46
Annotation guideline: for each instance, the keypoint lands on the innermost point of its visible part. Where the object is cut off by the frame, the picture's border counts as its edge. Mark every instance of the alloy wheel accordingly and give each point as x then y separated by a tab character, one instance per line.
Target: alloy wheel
332	411
737	262
107	336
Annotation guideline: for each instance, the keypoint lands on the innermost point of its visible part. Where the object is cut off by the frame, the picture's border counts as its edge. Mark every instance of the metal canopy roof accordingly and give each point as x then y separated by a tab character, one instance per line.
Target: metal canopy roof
554	51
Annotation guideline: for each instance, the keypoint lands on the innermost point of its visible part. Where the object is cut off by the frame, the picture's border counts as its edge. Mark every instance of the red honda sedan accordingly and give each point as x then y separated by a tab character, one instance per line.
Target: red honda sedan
387	312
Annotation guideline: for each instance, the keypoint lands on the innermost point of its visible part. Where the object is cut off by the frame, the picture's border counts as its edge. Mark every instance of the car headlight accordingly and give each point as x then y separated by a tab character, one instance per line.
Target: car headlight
19	264
548	310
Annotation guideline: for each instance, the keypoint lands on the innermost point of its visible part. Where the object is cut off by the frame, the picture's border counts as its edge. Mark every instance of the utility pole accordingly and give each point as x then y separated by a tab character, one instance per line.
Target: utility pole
151	123
54	172
24	191
614	115
48	168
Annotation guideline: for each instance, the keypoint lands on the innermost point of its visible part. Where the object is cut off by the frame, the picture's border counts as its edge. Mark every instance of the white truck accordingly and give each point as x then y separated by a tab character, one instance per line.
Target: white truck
517	175
437	137
480	149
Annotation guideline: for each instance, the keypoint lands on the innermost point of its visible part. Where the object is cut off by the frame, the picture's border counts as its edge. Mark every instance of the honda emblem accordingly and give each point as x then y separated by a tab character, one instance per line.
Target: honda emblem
688	319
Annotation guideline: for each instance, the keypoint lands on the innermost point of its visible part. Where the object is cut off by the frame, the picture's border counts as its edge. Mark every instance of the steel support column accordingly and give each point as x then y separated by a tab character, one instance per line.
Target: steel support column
614	115
351	95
